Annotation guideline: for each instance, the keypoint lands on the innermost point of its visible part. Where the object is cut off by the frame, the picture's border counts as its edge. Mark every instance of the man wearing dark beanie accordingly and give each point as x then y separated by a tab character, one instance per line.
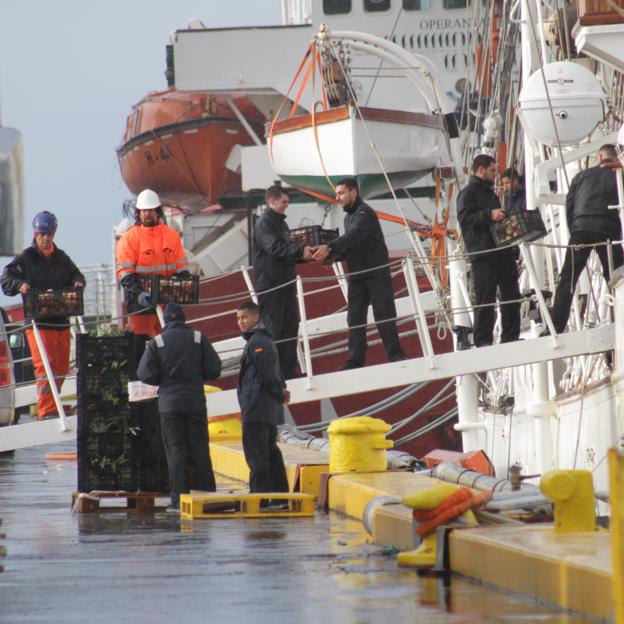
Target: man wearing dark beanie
179	360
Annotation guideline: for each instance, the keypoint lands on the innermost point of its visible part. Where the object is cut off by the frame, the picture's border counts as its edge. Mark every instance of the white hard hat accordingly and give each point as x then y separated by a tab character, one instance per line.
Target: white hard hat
147	200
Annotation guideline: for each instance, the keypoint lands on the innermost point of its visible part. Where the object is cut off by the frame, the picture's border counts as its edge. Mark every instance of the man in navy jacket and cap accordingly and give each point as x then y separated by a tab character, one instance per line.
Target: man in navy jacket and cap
179	360
262	394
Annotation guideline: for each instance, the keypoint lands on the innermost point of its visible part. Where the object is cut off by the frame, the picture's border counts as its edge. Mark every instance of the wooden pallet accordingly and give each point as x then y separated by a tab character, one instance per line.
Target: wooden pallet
243	505
89	502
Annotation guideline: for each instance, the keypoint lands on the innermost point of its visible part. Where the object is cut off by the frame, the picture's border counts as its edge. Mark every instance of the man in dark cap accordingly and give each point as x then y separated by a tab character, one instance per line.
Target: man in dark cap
179	360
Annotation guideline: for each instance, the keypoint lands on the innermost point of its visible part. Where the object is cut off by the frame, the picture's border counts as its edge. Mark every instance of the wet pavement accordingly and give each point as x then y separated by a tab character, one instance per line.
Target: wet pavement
118	567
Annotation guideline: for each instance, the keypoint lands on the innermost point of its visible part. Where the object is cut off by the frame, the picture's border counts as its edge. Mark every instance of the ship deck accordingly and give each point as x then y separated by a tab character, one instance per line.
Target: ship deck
123	566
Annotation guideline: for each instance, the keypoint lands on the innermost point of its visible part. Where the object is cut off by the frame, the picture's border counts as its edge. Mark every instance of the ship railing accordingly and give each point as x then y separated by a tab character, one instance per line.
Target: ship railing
415	307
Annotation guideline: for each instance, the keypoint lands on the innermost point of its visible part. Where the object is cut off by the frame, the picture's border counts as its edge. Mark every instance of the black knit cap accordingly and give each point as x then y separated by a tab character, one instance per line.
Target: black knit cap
174	312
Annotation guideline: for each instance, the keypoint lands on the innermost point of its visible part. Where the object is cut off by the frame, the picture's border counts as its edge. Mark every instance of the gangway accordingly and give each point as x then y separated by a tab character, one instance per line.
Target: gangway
453	364
233	347
375	377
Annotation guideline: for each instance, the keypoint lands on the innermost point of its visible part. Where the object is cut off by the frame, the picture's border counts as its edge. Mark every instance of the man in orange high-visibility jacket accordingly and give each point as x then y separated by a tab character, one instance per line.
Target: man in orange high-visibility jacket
44	266
149	247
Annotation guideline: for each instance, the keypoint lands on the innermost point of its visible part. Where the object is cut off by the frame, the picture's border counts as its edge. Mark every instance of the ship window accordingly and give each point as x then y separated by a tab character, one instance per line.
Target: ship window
374	6
335	7
454	4
416	5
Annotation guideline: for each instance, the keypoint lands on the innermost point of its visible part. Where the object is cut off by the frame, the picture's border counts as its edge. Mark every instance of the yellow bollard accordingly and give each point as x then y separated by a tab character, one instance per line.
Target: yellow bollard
572	492
616	496
225	427
425	555
358	444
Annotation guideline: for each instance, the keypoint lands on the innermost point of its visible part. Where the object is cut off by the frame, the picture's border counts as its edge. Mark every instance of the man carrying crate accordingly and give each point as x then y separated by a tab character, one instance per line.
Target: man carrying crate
370	281
478	207
274	259
149	247
44	266
591	222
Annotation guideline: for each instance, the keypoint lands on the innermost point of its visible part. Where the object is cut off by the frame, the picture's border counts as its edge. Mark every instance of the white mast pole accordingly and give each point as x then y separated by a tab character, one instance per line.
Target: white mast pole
540	408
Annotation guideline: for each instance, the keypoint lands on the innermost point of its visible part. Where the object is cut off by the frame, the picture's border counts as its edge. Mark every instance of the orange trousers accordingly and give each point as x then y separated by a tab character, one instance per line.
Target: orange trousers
56	345
145	324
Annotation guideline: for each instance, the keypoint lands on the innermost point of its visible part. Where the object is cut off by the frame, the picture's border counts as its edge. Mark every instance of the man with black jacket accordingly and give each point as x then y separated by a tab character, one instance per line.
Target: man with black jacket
274	259
45	267
514	197
262	394
364	248
477	208
590	221
179	360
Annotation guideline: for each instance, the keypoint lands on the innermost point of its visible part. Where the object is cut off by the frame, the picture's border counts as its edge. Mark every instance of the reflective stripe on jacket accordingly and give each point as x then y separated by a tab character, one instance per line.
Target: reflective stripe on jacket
179	360
155	249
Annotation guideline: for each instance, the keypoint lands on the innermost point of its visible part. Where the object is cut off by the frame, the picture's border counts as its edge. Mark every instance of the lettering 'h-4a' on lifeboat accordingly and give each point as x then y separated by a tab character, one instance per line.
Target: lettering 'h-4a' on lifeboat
186	146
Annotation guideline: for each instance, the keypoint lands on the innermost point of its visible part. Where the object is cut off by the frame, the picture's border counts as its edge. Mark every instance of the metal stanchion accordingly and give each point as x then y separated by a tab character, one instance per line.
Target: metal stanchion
419	312
50	376
249	284
342	279
616	497
304	334
159	314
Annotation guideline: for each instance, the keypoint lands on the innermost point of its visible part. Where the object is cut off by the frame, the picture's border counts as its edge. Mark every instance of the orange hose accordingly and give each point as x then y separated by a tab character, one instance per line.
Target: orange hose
454	505
61	456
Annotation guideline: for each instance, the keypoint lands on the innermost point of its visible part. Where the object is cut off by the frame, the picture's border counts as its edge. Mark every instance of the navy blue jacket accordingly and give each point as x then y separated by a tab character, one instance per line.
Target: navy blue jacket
179	360
274	256
363	244
260	385
53	272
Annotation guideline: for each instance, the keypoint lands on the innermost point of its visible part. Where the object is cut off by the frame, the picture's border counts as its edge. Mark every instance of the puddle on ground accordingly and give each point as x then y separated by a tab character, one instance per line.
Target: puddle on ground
127	567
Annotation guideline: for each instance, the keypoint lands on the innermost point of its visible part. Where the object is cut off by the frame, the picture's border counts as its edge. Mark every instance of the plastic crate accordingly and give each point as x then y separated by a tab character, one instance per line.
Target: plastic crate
44	304
153	473
519	226
312	235
182	290
147	283
102	351
107	461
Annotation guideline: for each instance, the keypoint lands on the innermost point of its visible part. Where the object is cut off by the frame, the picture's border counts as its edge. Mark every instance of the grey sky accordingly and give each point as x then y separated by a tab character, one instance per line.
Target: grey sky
70	71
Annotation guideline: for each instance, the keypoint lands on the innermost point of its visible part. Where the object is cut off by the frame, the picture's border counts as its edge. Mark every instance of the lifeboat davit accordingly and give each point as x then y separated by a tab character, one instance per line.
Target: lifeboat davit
186	147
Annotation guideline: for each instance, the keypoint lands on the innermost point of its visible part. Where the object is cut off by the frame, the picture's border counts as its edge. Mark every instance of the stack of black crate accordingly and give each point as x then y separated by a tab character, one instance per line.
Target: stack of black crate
119	443
150	452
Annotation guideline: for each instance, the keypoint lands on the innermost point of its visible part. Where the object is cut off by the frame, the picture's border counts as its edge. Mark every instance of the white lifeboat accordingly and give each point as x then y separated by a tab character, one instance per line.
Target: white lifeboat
308	151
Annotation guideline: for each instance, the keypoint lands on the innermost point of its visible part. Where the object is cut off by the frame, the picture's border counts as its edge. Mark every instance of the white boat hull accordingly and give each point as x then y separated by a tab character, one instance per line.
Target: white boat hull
309	151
